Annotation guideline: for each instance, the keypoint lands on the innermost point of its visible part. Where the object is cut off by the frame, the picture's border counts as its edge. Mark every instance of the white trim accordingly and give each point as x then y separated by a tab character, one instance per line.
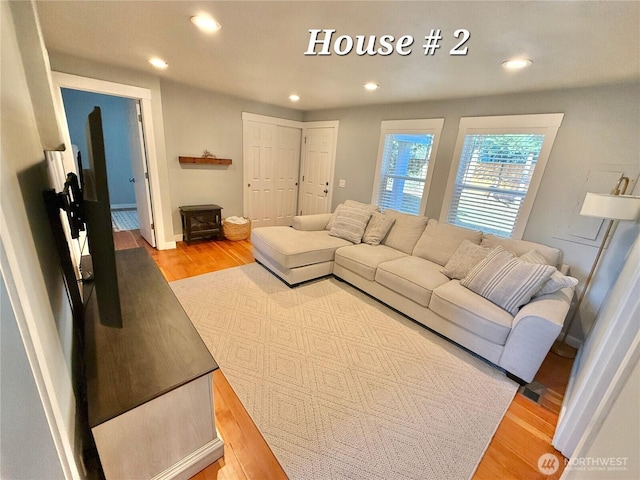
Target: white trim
420	126
283	122
30	325
195	462
65	80
546	124
603	363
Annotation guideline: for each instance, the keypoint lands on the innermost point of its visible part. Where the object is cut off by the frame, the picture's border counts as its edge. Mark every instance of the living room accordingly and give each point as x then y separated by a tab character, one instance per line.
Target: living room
599	133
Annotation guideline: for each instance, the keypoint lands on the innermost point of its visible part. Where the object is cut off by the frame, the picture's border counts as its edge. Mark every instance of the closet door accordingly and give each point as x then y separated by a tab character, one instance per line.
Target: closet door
271	168
287	166
259	157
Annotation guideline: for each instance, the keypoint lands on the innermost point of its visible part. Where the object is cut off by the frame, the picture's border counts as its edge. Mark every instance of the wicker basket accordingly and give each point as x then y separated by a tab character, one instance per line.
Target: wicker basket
234	231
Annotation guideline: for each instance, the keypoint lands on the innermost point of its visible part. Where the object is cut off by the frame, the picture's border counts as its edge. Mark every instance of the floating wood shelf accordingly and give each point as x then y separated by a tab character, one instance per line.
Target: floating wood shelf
205	160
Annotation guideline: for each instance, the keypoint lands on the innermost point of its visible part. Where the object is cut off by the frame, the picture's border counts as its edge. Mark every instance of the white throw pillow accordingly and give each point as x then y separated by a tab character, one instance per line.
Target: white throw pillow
350	223
466	256
556	282
377	228
505	280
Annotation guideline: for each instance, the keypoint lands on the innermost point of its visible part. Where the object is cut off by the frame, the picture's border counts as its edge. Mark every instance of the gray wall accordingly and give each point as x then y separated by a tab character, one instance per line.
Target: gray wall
117	144
28	451
196	120
25	97
600	132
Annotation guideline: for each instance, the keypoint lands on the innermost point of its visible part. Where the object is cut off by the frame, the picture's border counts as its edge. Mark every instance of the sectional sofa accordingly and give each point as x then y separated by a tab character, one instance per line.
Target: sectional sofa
505	300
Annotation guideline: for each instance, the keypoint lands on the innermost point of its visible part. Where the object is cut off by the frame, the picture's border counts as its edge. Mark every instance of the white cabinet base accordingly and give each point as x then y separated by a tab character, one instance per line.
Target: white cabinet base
171	436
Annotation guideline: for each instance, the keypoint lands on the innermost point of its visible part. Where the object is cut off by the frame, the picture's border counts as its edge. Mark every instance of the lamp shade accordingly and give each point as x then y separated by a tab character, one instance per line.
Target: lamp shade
614	207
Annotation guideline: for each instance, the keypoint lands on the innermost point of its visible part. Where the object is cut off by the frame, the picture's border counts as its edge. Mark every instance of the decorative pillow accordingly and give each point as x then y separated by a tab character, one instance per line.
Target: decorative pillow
351	203
520	247
556	282
365	206
507	281
350	224
334	216
466	256
377	228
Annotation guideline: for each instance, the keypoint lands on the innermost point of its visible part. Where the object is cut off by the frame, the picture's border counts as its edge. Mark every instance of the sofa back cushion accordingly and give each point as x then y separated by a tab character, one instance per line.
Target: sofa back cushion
520	247
440	241
405	232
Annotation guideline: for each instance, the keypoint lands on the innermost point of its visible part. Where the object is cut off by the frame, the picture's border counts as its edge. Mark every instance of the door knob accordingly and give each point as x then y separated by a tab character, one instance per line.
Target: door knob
326	191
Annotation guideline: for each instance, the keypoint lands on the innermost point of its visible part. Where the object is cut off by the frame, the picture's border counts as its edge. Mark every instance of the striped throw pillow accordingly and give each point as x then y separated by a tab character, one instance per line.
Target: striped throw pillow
350	223
507	281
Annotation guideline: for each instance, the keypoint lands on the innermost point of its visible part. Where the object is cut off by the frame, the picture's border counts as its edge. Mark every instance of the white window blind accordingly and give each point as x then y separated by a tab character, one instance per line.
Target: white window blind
498	164
403	172
405	162
493	178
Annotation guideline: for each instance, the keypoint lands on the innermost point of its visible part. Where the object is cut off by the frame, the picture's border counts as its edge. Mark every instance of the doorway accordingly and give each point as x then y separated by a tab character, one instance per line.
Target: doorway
128	143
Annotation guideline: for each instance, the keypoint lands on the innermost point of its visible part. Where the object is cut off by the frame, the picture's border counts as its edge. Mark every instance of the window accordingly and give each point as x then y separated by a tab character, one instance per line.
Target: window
403	173
498	165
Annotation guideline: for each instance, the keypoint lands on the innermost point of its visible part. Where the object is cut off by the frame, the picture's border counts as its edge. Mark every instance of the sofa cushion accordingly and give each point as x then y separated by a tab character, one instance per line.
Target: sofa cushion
350	223
413	277
292	248
505	280
405	232
466	256
556	282
440	240
364	259
470	311
377	228
520	247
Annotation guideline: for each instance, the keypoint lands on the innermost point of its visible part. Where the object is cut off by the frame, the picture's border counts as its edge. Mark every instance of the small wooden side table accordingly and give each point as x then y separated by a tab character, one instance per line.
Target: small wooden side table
201	221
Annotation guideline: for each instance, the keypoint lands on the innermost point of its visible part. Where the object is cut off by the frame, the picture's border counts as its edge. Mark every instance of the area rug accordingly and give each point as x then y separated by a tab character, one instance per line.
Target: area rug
124	219
341	386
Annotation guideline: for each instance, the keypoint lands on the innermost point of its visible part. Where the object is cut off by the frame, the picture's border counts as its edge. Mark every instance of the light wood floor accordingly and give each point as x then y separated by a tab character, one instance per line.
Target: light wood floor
524	434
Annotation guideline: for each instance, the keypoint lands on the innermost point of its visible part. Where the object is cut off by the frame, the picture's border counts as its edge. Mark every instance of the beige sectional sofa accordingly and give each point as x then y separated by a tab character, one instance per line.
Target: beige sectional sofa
406	271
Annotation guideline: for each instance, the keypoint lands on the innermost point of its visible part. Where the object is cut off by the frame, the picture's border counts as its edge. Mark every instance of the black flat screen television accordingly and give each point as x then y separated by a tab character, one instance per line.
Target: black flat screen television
97	215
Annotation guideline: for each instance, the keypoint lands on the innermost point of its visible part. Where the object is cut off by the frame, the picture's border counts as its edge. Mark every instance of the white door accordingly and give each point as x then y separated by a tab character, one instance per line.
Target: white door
140	172
316	175
287	167
259	147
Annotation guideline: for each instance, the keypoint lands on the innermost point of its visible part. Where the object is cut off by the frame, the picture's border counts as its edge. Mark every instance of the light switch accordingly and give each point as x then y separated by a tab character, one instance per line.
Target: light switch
342	182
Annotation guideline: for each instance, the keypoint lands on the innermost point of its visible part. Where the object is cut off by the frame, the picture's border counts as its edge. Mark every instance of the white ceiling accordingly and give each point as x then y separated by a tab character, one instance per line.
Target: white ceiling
259	53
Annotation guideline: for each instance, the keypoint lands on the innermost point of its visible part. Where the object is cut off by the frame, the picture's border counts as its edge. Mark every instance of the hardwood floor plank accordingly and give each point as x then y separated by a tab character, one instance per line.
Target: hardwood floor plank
522	437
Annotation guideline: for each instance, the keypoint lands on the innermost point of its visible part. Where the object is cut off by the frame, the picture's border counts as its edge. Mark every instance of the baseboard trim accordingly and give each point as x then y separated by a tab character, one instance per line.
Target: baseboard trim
197	461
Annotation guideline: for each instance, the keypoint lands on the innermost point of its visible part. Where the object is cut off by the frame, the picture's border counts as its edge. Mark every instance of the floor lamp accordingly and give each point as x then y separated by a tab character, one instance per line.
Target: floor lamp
614	206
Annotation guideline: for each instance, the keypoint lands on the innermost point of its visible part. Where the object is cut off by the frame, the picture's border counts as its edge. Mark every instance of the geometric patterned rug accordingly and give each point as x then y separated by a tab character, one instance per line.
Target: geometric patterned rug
339	385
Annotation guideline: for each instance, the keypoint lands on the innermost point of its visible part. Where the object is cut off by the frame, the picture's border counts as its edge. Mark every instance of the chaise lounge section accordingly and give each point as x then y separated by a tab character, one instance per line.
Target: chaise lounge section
452	280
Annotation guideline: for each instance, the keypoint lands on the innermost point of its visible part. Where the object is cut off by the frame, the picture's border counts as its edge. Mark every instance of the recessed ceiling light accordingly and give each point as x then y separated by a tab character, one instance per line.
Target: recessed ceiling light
158	63
371	86
294	97
205	23
517	63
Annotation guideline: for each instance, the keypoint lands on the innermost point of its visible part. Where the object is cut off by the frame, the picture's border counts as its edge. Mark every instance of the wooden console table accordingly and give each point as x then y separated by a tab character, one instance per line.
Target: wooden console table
149	384
200	221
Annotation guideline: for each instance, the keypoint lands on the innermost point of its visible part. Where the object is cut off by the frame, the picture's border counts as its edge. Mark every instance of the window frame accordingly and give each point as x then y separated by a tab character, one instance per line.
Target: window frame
425	126
545	124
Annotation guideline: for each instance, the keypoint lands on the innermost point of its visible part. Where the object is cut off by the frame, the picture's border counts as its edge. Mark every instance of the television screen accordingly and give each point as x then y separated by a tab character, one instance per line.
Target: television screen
97	213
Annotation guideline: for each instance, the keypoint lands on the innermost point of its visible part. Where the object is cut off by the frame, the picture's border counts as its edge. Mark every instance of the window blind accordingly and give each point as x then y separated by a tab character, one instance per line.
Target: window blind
403	171
492	181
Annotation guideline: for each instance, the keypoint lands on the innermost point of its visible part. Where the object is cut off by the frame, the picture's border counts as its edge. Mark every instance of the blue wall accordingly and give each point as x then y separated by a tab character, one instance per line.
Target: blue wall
78	105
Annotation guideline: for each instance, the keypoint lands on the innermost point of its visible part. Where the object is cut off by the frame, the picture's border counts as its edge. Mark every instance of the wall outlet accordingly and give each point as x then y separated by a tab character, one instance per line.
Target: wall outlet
342	183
